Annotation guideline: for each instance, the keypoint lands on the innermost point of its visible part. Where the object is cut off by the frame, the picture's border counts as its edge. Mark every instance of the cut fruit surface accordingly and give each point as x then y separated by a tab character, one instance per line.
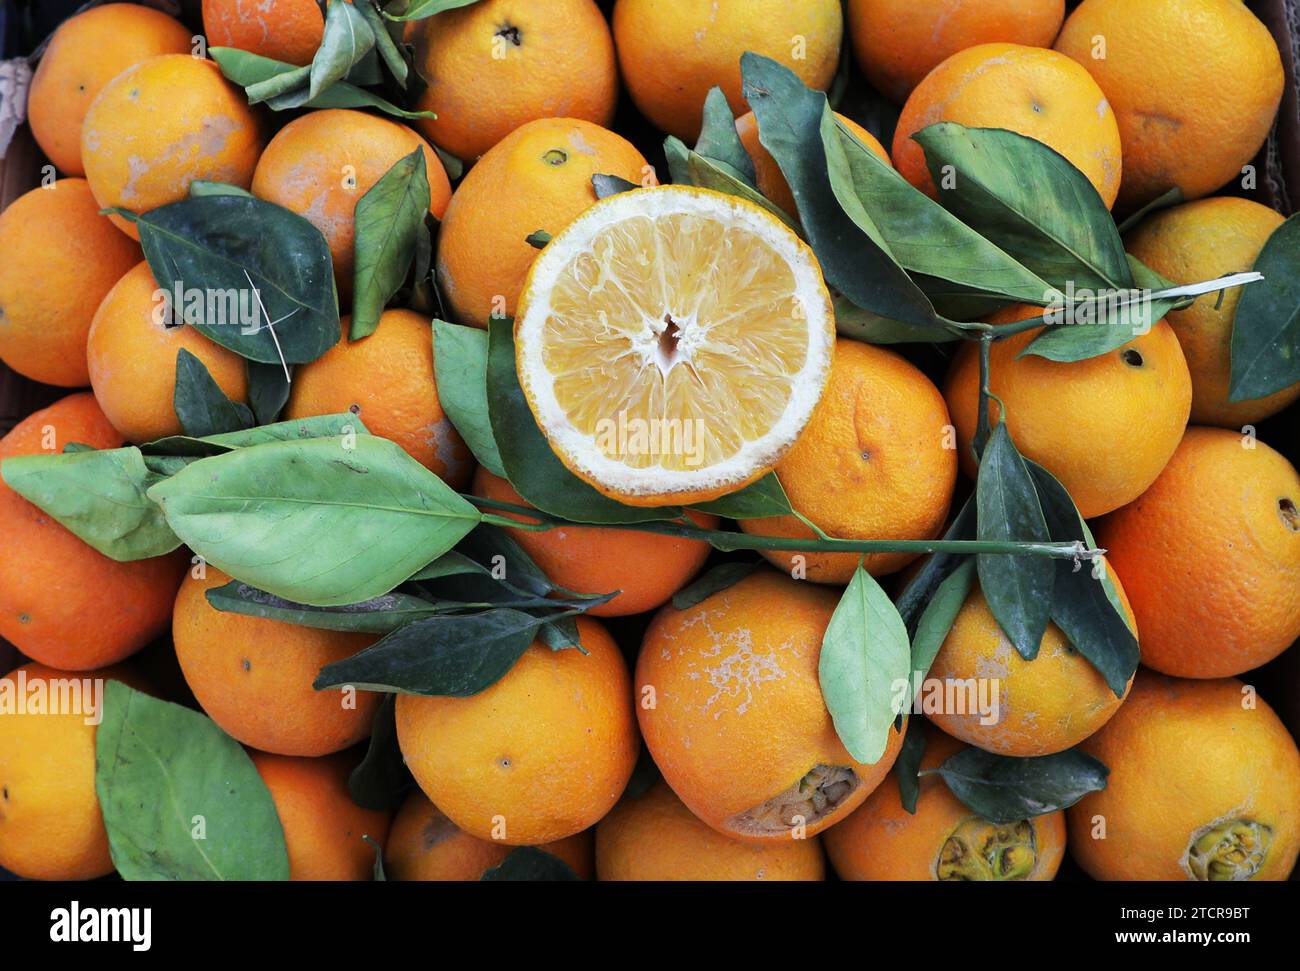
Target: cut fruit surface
672	343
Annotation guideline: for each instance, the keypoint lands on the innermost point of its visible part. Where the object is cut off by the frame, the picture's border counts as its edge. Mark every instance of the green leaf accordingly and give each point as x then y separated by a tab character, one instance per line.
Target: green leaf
1018	588
385	43
937	567
181	799
871	328
1029	200
719	578
908	765
1171	197
325	521
610	185
347	40
202	187
530	465
389	218
99	496
454	656
1003	789
379	615
864	658
268	391
382	780
201	406
420	9
538	239
225	247
690	168
938	617
530	863
460	366
1266	325
719	139
766	497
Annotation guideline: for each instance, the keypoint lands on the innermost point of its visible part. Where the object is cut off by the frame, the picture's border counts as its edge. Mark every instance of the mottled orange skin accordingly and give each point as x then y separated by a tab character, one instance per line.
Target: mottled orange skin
536	178
253	677
1104	426
387	380
655	837
497	64
425	845
730	705
323	827
61	258
1210	555
322	163
283	30
132	359
540	755
883	841
875	462
62	602
771	181
160	125
85	53
1184	755
1038	93
898	42
648	569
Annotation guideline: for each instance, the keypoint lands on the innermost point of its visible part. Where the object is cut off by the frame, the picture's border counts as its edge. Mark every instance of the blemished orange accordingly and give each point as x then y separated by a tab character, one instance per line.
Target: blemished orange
1041	706
61	257
387	380
1210	555
672	55
646	568
62	602
498	64
50	822
875	462
1204	784
731	710
324	829
944	840
160	125
655	837
425	845
84	54
131	353
1104	426
898	42
1195	85
253	676
1038	93
1199	241
283	30
771	182
322	163
540	755
536	178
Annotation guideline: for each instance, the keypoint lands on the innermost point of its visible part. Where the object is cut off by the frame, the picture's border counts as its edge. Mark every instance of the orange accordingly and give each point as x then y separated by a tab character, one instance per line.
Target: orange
61	257
1035	707
1211	557
160	125
323	827
731	710
1038	93
50	822
646	568
497	64
673	54
1200	241
387	380
1195	85
1204	785
132	356
322	163
944	840
425	845
898	42
283	30
253	677
873	463
540	755
85	53
655	837
771	182
536	178
62	602
1104	426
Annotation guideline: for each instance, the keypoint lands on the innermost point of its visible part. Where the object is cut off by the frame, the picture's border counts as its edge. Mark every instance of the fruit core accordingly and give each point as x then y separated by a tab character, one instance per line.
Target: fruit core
808	801
980	850
1234	849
